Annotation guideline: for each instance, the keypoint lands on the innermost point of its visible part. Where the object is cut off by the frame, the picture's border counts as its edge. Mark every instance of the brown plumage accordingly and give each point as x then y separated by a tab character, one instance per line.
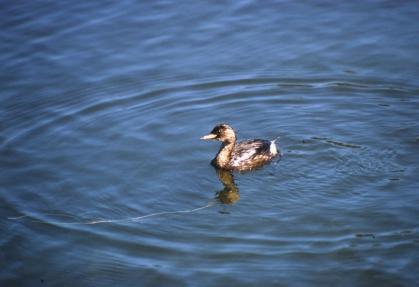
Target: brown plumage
242	156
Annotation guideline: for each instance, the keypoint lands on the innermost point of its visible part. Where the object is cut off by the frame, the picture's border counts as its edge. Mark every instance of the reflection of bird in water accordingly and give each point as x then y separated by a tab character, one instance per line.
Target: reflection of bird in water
230	193
242	156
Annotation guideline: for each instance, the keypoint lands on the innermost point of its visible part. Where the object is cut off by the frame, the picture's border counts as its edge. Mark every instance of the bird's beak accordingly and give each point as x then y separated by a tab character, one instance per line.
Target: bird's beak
209	137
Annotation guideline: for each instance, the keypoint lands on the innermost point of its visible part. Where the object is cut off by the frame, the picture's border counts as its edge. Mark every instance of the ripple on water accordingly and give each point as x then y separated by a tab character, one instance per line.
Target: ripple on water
232	100
133	153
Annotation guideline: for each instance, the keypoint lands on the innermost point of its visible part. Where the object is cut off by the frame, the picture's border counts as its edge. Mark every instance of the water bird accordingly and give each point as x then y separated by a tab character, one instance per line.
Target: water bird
243	156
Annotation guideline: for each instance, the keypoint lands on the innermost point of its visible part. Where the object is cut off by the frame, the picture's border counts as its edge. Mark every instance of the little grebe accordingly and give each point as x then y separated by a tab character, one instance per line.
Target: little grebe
242	156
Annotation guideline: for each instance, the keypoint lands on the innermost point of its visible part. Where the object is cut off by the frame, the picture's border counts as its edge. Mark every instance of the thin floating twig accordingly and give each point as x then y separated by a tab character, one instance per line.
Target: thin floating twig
101	220
334	142
343	144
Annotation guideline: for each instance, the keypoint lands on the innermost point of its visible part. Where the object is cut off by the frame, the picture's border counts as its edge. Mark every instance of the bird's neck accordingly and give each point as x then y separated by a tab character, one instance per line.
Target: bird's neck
223	157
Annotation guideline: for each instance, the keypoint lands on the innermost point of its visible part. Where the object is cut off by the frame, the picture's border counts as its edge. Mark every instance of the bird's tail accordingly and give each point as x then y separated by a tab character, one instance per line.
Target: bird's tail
273	149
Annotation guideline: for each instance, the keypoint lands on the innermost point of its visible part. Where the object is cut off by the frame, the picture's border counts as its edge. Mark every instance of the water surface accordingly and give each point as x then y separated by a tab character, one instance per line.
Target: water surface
104	181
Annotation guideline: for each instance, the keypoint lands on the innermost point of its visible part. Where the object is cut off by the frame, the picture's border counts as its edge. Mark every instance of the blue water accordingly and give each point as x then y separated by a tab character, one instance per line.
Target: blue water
103	178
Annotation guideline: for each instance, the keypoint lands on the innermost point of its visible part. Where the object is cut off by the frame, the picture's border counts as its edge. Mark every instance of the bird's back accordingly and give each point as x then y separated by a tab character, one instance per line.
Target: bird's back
250	154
